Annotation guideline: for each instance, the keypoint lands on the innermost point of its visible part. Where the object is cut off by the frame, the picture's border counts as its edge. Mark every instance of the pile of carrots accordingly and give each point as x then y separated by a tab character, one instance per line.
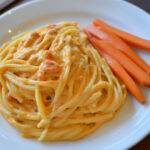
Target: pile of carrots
114	45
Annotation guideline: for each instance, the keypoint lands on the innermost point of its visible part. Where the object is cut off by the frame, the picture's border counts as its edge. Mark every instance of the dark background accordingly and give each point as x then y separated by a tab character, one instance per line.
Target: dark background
144	4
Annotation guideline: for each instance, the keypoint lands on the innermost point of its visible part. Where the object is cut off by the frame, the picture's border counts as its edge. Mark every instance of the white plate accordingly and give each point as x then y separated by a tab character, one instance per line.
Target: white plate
4	3
133	121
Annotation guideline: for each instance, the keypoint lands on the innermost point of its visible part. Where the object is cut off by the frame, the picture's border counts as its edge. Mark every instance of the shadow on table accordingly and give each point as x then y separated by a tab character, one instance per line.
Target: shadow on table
11	5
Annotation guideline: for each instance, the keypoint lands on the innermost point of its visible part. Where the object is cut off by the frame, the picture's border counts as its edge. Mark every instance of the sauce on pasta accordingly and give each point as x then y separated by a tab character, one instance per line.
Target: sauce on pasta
55	86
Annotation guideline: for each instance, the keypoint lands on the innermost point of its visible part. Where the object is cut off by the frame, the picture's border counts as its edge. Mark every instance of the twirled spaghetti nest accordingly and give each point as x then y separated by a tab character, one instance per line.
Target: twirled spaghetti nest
55	85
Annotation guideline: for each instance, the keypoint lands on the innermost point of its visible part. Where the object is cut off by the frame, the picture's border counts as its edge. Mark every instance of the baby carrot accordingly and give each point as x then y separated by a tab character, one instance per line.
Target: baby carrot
134	70
124	76
119	44
120	72
129	38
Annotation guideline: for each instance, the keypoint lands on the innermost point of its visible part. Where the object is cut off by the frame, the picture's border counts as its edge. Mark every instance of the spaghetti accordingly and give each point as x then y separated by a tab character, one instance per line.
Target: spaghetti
55	86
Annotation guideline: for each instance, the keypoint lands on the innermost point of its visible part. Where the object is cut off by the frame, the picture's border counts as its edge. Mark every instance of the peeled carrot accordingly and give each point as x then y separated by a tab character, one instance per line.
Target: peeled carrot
121	73
134	70
124	76
129	38
119	44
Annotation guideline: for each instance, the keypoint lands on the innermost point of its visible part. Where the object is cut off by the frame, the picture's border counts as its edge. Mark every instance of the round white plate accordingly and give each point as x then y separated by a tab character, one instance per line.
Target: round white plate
133	121
4	3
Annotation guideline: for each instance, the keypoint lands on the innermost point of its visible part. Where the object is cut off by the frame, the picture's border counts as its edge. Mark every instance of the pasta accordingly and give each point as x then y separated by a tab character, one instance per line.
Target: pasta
55	86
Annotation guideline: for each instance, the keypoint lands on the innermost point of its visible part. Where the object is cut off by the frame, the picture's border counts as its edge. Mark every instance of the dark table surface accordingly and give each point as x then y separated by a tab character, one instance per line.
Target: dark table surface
144	4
